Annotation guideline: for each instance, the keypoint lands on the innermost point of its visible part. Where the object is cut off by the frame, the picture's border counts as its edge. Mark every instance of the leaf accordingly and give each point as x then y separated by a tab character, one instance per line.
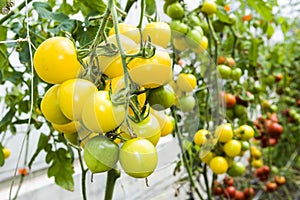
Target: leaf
253	51
6	120
262	8
270	31
67	25
150	7
43	142
3	47
222	15
98	5
2	159
61	159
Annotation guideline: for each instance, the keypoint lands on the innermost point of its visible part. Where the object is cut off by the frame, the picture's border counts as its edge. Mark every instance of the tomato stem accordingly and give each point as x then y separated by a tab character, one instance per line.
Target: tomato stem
112	176
83	185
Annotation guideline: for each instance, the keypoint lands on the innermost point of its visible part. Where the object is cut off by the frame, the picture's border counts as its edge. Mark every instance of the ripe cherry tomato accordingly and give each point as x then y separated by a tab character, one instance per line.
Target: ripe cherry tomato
6	152
100	115
152	72
209	7
72	95
229	192
50	107
55	60
280	180
206	158
175	10
68	128
224	132
100	154
149	129
239	195
271	186
128	30
138	157
111	65
232	148
230	100
200	137
159	32
249	192
218	165
186	82
245	132
161	98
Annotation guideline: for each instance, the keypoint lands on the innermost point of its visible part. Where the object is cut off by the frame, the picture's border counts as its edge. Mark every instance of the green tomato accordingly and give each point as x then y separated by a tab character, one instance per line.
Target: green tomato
178	28
240	110
236	74
224	71
237	169
161	98
232	19
138	157
245	146
175	10
186	103
194	20
205	28
100	154
209	7
194	38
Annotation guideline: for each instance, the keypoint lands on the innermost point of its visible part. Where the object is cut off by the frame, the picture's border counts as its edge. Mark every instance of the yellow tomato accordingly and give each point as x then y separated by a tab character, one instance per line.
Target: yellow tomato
200	137
245	132
218	165
166	122
100	115
232	148
50	107
186	82
257	163
206	157
72	95
180	43
111	65
128	30
159	33
152	72
224	132
6	152
55	60
203	45
68	128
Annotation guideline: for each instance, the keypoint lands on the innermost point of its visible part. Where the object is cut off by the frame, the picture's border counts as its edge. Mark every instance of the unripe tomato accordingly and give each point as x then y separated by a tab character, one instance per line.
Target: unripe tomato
186	103
239	110
161	98
236	73
180	43
245	146
148	129
237	169
224	71
152	72
6	152
55	60
194	38
186	82
175	10
159	32
224	132
128	30
72	95
50	107
245	132
232	148
138	157
209	7
100	154
200	137
218	165
100	115
179	29
168	126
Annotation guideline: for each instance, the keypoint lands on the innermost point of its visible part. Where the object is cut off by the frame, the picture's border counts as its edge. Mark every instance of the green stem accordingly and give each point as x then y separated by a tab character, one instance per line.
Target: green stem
234	41
208	191
184	157
83	185
142	14
112	176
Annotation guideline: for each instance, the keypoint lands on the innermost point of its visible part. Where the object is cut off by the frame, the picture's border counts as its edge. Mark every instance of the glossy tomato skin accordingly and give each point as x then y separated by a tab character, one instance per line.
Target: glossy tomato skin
232	148
186	82
175	10
194	37
218	165
224	132
55	60
245	132
159	32
72	95
127	30
280	180
100	115
100	154
179	29
209	7
6	152
237	169
224	71
148	129
161	98
186	103
239	195
229	181
152	72
229	192
138	157
50	107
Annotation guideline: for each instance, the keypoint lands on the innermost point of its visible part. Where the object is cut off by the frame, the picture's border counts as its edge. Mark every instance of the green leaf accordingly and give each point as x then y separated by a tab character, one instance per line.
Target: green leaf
98	6
3	47
222	15
2	159
43	142
270	31
150	7
61	159
264	9
6	120
253	51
